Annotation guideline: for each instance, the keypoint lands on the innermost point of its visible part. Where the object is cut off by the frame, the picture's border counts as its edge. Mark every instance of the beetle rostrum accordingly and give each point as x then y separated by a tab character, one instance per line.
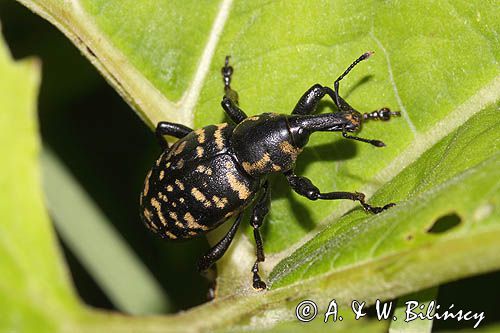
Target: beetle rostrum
214	173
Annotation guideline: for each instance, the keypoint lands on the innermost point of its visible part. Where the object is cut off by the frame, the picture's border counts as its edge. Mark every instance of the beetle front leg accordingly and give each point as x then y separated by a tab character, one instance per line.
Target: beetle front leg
258	215
230	100
166	128
309	101
306	188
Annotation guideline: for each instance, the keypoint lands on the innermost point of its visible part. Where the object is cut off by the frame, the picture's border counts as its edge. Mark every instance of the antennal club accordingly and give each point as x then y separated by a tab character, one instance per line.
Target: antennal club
383	114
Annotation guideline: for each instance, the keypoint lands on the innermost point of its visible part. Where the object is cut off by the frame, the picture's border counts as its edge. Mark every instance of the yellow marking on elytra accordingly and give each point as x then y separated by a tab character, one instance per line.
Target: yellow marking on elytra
180	184
152	226
170	235
148	215
204	169
237	186
168	164
170	188
219	202
174	217
180	164
158	161
192	233
162	197
228	164
181	200
199	151
200	197
180	148
200	133
287	148
162	174
146	184
192	224
259	165
276	167
219	140
157	205
254	118
174	204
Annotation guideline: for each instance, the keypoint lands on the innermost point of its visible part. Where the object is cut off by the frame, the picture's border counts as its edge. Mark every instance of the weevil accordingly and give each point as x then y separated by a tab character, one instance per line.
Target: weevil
213	174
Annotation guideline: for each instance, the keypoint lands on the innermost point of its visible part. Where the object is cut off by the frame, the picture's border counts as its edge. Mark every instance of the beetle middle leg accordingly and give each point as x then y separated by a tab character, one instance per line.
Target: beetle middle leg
218	250
306	188
230	100
259	213
206	263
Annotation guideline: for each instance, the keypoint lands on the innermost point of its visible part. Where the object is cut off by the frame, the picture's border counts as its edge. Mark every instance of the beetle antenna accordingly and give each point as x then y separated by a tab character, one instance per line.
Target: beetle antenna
376	143
364	56
383	114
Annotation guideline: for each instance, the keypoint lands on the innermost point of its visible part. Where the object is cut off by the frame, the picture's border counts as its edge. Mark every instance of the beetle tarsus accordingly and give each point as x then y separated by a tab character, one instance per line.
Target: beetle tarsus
258	284
227	72
376	210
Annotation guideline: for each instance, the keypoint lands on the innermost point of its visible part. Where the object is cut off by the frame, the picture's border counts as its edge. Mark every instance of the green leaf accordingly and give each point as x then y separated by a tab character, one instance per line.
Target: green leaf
435	62
35	294
89	235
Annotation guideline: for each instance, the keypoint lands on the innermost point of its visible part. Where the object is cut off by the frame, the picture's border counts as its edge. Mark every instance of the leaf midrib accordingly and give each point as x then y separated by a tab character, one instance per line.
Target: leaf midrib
148	102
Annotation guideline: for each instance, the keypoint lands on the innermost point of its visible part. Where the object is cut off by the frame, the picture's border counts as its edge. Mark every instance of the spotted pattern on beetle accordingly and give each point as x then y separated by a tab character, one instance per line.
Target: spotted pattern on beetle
184	185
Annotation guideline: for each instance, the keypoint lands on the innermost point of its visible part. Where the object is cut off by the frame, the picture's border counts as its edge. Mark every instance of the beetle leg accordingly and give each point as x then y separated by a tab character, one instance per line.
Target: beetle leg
232	110
259	213
230	100
306	188
308	103
216	252
172	129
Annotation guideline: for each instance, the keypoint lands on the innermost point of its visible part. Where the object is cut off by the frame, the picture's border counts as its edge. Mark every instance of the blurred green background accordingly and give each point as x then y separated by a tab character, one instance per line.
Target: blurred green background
106	147
108	150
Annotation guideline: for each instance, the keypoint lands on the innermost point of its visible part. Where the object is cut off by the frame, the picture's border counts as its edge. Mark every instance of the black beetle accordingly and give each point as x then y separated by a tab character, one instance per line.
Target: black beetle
214	173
